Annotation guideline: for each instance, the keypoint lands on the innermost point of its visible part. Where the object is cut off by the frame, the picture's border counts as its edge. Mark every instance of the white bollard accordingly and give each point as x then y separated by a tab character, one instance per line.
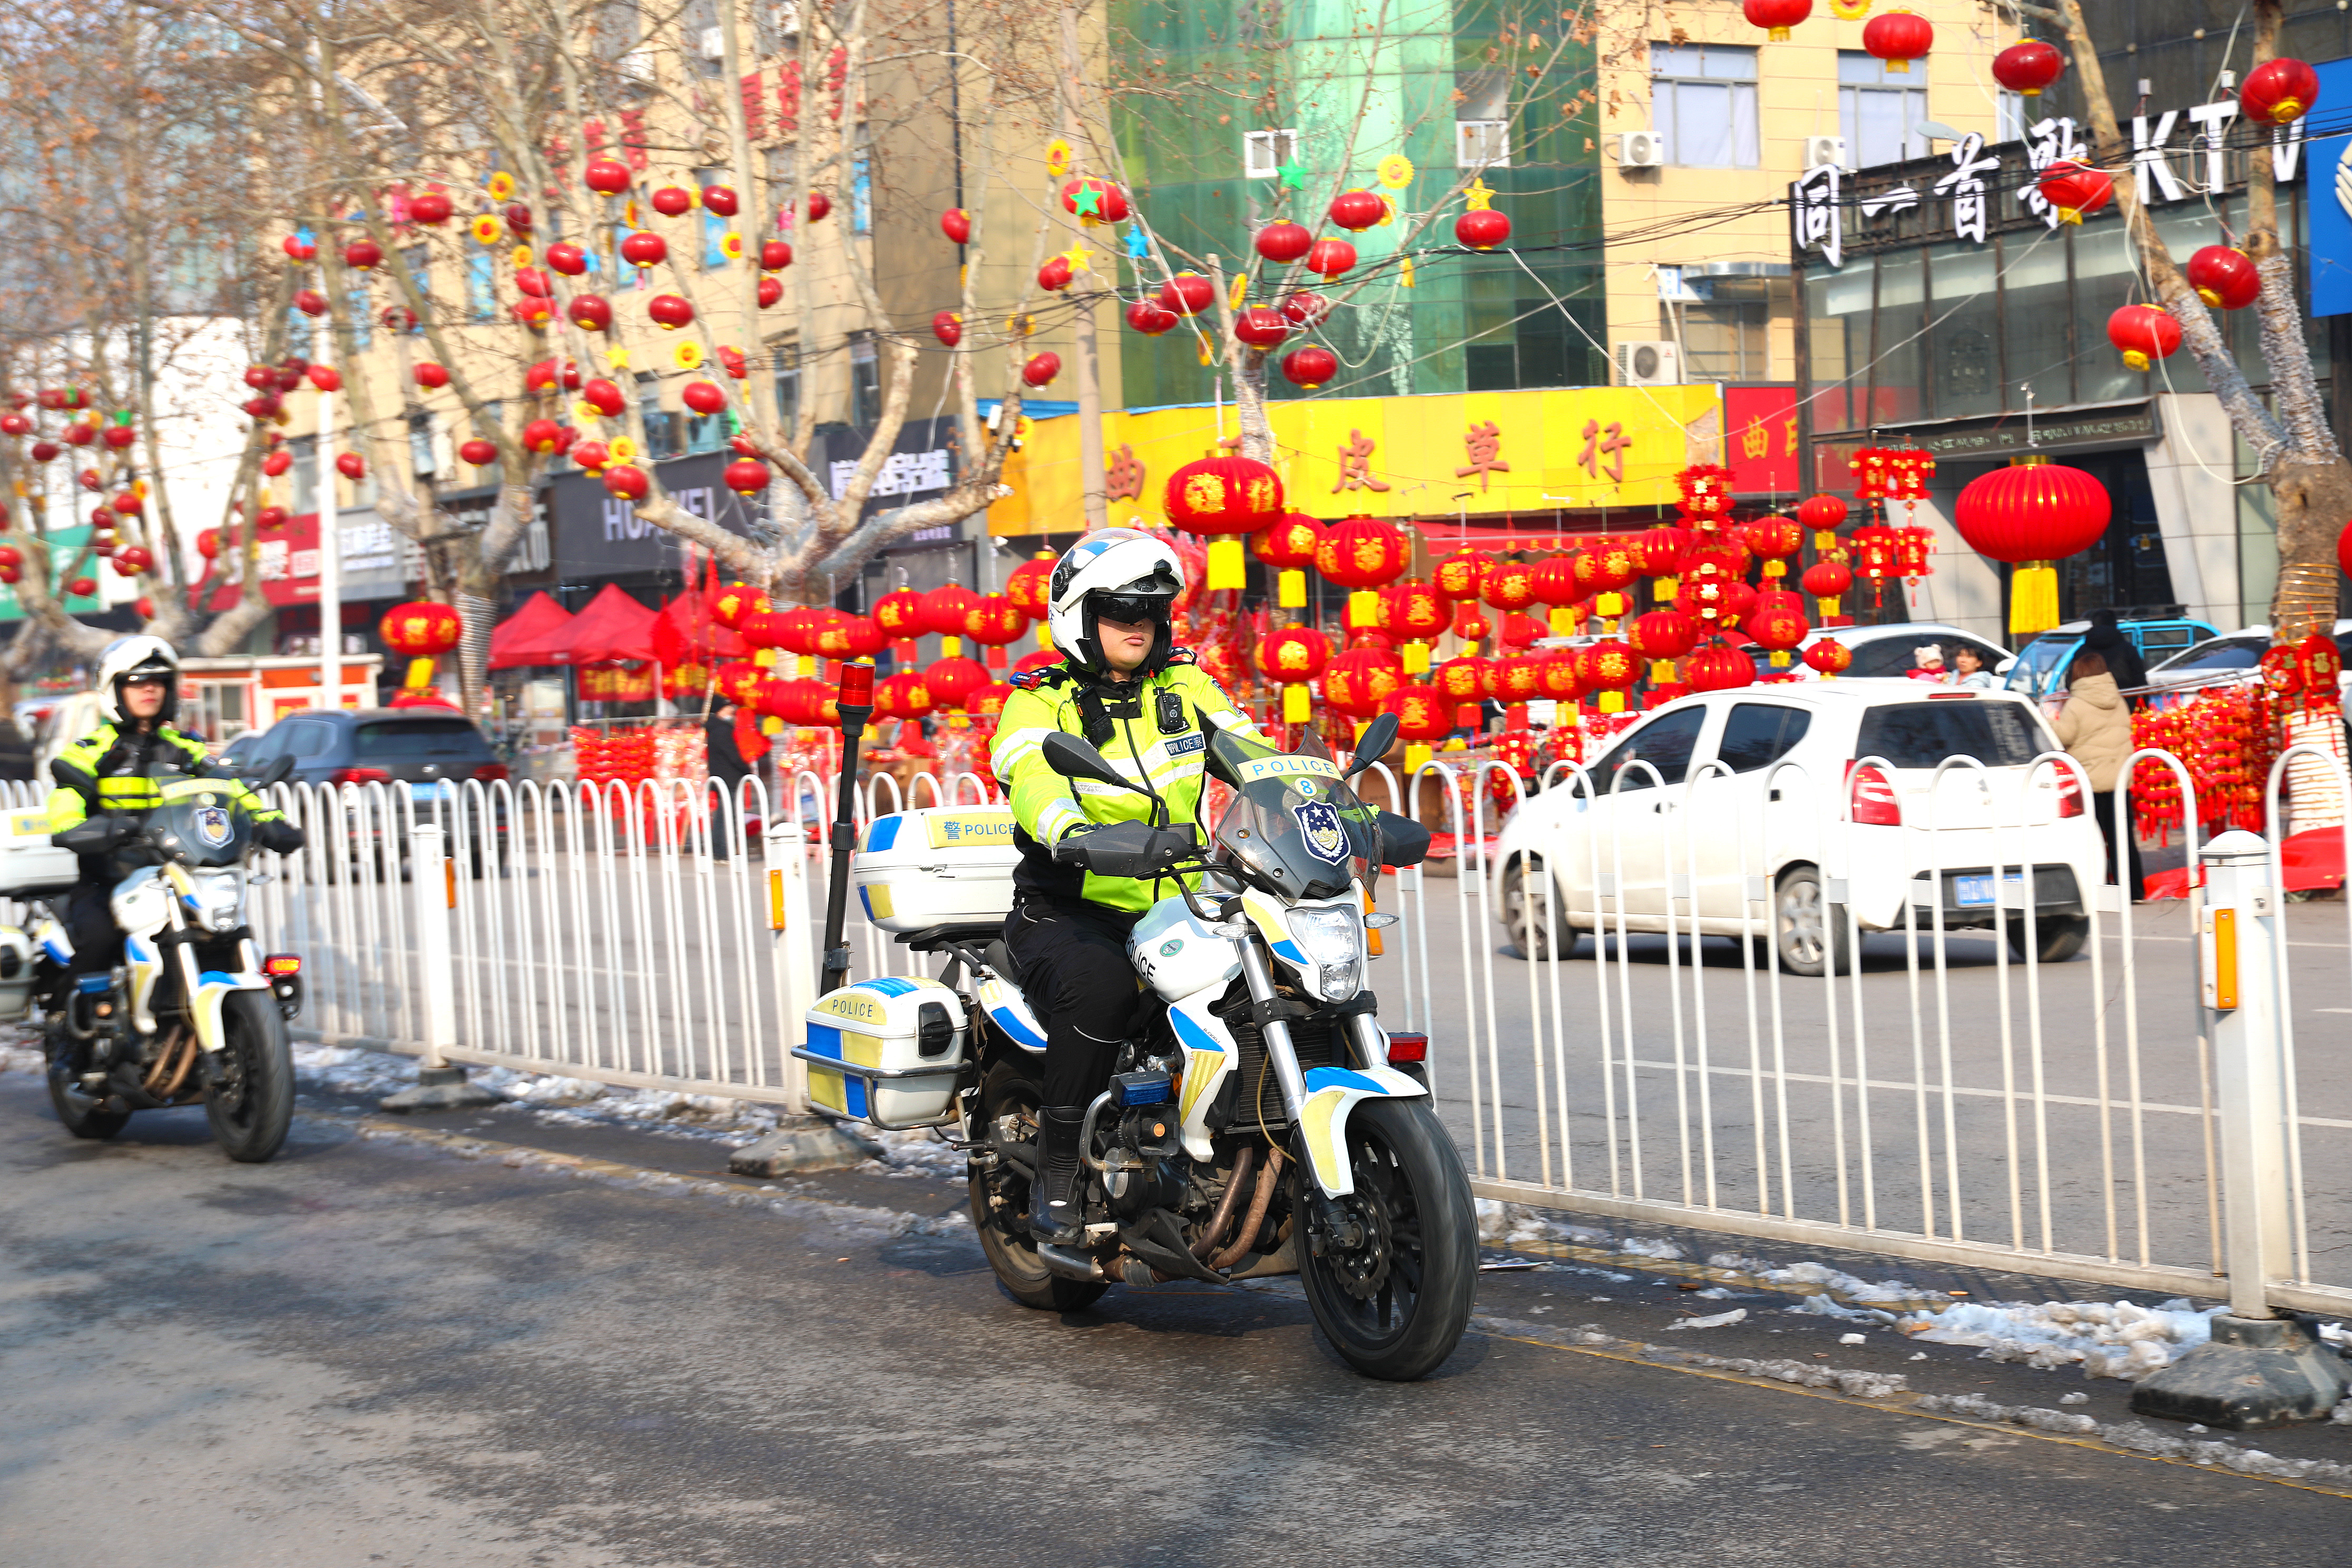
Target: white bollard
440	1084
790	934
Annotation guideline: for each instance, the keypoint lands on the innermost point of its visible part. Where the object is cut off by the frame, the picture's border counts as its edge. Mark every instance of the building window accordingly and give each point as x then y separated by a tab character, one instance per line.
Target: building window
788	390
1703	100
419	259
865	384
422	462
481	286
861	192
1482	119
660	439
1880	113
714	227
1482	143
1264	152
2010	116
1722	340
305	473
362	324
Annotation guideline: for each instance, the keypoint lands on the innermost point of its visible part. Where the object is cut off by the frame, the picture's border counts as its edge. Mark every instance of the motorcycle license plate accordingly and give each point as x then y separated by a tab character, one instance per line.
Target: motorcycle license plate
1976	893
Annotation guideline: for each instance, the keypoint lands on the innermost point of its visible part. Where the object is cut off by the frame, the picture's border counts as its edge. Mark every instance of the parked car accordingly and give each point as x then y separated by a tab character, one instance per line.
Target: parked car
2226	660
1882	652
1797	828
2039	672
69	719
424	748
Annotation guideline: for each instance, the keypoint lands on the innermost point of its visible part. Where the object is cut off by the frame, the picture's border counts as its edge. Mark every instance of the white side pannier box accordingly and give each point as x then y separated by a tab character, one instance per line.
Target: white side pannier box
937	866
29	864
886	1051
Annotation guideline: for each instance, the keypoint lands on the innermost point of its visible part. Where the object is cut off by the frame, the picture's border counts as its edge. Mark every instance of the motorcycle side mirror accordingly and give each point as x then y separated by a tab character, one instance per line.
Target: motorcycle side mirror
1075	759
274	774
1378	737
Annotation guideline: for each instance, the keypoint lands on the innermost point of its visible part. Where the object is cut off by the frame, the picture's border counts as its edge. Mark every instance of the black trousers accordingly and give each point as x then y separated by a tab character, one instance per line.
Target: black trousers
1074	970
90	925
2103	807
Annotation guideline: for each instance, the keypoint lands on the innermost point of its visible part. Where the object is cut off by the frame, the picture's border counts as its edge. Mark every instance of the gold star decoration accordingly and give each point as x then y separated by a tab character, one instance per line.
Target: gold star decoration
1077	255
617	357
1477	198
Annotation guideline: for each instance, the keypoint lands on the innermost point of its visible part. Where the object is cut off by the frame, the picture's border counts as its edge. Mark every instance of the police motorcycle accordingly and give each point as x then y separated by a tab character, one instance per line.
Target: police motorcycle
1259	1121
194	1013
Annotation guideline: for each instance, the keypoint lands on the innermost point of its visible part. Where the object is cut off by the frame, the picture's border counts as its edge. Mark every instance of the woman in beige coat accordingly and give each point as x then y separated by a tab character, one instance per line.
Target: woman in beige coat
2095	729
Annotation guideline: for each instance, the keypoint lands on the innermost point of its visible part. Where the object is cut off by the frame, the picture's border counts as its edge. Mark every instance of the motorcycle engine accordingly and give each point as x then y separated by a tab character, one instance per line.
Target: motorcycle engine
1141	1170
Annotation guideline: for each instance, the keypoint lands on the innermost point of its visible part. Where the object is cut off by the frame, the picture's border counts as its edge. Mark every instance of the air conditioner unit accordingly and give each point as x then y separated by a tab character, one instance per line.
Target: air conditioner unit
714	44
788	20
1823	151
1640	149
1649	364
637	65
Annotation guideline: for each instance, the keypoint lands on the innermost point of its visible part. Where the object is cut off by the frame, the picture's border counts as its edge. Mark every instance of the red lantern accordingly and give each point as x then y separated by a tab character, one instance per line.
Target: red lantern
430	376
592	455
1829	658
956	224
1719	666
208	545
1483	228
591	312
362	255
1424	714
419	629
1359	680
2075	190
1331	258
2278	91
1310	366
1561	675
1609	668
1360	553
1467	679
1826	581
775	254
1774	538
1055	275
1287	545
1151	318
946	608
1604	569
479	452
1283	243
298	248
900	614
1511	586
746	476
819	207
567	259
1414	612
1041	369
2225	278
1290	658
606	397
736	601
1304	308
1357	210
669	312
1261	327
1898	37
82	587
1462	574
2031	515
1110	202
1029	584
351	465
1776	16
720	199
2026	68
1187	294
1662	636
2144	335
993	621
1823	515
703	397
947	327
271	517
1224	498
1778	623
629	483
951	680
645	250
903	696
605	177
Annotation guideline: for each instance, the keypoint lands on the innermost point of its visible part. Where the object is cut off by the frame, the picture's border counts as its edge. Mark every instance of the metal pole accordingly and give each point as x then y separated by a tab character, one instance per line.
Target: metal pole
330	576
856	680
1090	432
2239	948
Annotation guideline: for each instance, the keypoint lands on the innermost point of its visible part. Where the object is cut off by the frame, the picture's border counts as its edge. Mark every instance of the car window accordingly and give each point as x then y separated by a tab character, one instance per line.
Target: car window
1758	735
2218	653
2164	639
1665	743
1888	656
2045	654
419	738
305	738
2001	734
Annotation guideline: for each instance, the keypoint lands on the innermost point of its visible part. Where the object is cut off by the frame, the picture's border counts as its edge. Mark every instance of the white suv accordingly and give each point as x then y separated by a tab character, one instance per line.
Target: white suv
1818	796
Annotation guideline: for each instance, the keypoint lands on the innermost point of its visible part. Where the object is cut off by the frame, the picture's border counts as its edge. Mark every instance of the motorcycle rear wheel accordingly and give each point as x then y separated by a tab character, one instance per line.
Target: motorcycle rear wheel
1395	1305
250	1103
1003	1230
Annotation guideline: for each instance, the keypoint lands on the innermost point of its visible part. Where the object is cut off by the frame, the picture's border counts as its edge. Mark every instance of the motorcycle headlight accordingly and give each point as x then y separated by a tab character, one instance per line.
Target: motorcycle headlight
1331	940
220	900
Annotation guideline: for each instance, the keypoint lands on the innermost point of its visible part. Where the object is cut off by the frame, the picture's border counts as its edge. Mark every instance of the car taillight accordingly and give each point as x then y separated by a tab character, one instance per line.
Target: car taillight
1408	1048
279	963
491	772
360	776
2070	794
1871	795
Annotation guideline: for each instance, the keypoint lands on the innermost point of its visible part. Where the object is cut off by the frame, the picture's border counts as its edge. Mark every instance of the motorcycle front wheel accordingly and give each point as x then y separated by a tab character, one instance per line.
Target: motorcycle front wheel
1391	1285
999	1200
251	1100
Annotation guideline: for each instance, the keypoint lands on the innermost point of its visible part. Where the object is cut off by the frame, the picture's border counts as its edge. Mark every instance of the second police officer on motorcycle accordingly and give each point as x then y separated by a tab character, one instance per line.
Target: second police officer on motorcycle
1124	686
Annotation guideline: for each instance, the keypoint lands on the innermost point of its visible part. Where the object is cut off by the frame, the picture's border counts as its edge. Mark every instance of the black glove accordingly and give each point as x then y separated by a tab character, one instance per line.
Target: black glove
97	835
279	835
1069	850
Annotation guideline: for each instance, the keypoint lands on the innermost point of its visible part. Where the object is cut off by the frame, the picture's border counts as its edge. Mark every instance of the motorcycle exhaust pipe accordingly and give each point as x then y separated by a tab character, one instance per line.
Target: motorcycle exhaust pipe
1259	1202
1215	1230
1070	1263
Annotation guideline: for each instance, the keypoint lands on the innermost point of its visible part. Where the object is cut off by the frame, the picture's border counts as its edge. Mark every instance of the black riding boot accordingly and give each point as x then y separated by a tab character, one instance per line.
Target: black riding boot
1053	1196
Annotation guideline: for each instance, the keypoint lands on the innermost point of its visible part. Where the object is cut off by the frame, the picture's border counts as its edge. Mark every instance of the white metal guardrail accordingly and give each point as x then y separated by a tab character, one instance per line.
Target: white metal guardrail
1950	1098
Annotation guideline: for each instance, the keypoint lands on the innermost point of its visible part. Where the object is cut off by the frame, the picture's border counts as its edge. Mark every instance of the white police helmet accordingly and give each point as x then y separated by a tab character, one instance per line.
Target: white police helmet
1123	571
126	657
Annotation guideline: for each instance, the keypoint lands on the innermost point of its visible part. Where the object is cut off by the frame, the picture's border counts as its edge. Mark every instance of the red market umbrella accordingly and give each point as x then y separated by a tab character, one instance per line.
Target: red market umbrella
527	636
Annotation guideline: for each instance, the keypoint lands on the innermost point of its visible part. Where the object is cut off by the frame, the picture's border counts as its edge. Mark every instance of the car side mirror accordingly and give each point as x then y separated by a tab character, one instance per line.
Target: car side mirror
1075	759
2005	666
1378	737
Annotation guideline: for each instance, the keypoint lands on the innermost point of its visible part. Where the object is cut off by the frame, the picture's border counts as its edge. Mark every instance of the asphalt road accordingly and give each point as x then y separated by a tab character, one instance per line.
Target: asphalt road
371	1351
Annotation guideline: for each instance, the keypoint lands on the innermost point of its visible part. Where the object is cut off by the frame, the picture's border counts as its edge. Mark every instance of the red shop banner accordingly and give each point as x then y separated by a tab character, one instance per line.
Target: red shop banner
1759	441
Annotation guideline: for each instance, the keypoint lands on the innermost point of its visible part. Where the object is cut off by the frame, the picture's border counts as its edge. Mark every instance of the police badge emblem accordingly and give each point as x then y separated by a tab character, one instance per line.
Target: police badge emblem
1318	824
212	825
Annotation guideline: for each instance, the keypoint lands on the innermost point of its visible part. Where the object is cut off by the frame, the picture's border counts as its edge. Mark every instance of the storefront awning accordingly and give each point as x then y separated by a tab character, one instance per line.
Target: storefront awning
612	627
527	636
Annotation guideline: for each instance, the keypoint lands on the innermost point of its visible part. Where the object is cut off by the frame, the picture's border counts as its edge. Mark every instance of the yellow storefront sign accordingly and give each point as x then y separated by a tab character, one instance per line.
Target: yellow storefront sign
1598	447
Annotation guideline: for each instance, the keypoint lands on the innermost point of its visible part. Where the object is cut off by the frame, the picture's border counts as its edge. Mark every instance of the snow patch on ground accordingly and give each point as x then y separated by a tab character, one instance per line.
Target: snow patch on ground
2140	1437
1856	1385
1505	1224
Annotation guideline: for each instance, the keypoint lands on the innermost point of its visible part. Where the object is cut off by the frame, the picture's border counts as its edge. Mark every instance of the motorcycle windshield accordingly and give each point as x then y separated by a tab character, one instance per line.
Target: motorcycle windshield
1294	822
201	823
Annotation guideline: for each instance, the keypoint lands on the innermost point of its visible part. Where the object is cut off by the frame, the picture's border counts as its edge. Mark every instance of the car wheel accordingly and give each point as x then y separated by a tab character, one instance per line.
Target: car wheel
1537	928
2059	937
1809	931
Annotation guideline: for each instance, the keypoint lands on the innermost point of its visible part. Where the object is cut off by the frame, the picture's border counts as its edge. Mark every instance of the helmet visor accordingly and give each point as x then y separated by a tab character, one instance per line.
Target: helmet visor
1130	609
